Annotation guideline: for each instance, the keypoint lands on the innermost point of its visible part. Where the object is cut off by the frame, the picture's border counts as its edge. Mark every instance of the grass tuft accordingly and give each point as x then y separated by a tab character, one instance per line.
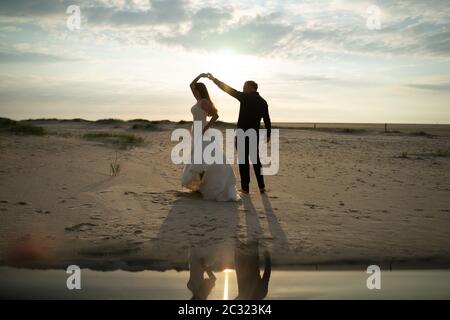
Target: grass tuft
404	155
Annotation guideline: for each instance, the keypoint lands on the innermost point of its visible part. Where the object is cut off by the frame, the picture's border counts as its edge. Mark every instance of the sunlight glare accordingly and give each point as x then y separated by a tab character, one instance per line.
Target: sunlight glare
229	66
225	285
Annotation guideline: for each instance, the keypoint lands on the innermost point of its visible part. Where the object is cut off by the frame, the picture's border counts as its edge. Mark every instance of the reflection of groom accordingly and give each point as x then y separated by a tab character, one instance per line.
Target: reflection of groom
252	108
251	286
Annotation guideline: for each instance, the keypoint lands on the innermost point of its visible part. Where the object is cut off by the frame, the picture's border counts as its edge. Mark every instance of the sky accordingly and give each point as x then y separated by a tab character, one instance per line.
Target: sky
370	61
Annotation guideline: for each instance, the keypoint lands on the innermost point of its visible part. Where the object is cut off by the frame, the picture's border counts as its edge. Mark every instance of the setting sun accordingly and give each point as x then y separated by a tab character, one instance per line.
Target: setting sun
235	68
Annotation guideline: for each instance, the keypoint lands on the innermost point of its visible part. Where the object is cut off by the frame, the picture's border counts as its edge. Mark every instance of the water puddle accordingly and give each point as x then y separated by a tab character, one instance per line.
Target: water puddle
20	283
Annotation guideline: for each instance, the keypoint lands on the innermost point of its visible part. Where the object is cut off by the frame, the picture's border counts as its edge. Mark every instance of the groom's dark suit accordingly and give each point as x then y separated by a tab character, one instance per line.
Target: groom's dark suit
252	109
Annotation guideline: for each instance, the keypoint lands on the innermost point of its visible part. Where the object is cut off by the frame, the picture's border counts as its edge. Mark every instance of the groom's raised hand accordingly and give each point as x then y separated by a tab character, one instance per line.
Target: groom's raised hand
210	76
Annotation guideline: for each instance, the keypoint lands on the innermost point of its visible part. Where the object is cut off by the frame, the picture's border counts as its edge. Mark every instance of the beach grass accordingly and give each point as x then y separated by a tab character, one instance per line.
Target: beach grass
439	153
110	121
338	130
145	126
16	127
121	139
421	134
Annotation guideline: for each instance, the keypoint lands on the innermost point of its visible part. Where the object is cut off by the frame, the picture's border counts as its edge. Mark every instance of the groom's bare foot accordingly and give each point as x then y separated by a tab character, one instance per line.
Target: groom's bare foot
243	191
262	190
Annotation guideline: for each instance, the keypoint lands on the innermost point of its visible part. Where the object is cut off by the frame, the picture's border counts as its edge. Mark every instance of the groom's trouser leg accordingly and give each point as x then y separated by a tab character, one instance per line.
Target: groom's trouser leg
257	168
244	169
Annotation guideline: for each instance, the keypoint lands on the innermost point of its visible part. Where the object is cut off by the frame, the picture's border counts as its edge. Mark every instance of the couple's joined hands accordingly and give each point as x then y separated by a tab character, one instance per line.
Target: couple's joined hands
207	75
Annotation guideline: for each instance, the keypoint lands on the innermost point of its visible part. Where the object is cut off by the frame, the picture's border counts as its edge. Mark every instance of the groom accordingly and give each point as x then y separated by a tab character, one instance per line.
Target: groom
252	108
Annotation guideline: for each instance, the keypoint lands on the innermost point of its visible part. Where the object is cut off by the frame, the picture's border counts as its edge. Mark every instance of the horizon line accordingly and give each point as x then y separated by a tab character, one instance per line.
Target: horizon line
225	122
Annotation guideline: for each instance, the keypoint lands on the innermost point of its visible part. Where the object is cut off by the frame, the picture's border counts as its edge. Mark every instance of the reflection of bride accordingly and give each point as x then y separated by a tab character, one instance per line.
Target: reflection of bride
214	181
199	263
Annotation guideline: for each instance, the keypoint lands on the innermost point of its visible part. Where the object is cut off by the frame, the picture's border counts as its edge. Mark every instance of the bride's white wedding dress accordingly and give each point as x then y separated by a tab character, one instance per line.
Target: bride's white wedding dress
214	181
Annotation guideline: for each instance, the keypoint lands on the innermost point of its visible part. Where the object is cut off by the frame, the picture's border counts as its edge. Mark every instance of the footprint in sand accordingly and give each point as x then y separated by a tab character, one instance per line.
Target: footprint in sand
80	227
38	211
164	198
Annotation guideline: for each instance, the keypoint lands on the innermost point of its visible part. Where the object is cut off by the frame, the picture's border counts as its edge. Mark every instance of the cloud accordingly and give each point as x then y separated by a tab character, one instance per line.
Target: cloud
31	57
305	30
302	78
210	19
36	8
259	35
431	86
160	12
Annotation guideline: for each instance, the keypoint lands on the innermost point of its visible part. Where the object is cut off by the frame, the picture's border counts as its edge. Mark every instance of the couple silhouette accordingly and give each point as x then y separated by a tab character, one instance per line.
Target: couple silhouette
214	181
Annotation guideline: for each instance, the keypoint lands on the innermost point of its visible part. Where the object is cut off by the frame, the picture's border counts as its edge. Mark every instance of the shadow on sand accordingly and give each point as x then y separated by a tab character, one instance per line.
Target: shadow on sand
195	223
277	239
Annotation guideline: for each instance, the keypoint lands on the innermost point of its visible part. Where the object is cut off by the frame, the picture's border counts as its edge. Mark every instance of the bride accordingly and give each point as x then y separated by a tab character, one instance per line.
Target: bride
214	181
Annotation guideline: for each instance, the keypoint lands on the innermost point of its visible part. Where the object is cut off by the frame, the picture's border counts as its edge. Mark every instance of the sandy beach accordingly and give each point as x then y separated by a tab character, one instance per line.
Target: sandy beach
345	195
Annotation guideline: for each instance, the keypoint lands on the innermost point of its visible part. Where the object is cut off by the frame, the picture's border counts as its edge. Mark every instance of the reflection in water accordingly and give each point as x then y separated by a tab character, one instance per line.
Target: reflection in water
200	263
250	283
293	284
214	244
